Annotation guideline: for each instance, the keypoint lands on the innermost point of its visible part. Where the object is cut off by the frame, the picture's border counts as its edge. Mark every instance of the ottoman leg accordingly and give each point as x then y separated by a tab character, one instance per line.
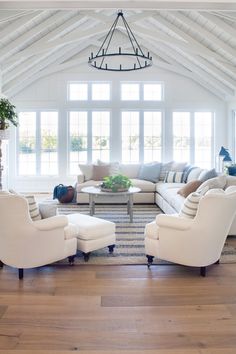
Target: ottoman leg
86	256
150	260
71	260
111	248
1	264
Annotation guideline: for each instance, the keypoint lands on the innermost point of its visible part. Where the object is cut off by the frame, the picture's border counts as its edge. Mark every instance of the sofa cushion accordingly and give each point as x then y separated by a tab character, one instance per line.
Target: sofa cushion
130	170
114	167
161	187
217	182
166	167
150	171
190	187
145	186
207	174
178	166
99	172
174	177
87	171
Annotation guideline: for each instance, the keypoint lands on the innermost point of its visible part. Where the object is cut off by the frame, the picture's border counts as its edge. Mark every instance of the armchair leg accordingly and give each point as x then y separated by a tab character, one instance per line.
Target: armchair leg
217	262
203	271
149	260
86	256
71	260
111	248
21	273
1	264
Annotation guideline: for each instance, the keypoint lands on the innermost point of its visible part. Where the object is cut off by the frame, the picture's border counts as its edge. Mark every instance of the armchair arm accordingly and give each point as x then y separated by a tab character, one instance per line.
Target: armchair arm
55	222
80	178
173	222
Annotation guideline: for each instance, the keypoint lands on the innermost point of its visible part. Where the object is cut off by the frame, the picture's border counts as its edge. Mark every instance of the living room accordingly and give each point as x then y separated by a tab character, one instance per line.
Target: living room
180	110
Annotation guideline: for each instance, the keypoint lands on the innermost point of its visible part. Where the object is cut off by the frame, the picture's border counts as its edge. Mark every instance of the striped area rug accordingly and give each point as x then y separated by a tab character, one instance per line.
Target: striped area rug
129	236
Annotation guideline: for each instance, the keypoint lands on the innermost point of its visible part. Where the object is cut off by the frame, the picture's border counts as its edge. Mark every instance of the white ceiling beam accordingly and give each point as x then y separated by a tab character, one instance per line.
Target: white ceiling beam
6	16
122	4
220	23
206	34
76	36
203	50
22	21
9	49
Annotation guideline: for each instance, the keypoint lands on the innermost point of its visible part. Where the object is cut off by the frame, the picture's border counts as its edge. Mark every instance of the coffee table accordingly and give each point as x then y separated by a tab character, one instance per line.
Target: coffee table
96	196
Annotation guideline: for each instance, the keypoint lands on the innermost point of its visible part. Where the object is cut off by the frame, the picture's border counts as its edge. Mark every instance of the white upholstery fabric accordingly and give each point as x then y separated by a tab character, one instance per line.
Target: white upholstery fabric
145	186
130	170
194	174
196	242
91	228
92	233
28	244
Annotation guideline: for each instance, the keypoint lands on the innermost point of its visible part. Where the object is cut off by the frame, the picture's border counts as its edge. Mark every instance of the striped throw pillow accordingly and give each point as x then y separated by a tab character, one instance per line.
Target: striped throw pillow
174	177
33	207
190	206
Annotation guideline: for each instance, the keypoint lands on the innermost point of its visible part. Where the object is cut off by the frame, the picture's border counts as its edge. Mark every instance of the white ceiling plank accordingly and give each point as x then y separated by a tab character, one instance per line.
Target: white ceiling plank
220	23
203	50
6	16
205	33
7	51
22	21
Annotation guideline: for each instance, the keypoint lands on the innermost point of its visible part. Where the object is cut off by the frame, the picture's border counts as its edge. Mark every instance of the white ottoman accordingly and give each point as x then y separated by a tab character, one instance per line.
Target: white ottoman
92	233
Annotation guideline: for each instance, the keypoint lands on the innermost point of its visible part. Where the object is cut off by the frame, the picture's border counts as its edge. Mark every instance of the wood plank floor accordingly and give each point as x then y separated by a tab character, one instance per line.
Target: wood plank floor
118	309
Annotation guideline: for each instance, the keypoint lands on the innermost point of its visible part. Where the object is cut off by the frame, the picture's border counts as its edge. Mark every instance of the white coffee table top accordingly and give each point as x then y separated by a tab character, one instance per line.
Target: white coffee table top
97	190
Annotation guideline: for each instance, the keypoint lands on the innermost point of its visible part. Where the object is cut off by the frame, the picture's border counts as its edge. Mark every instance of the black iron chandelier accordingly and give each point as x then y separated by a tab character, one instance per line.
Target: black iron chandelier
120	60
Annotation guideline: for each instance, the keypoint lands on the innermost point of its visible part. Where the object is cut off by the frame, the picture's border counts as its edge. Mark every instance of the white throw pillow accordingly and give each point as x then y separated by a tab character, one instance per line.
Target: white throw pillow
230	189
87	171
190	206
216	182
114	167
193	174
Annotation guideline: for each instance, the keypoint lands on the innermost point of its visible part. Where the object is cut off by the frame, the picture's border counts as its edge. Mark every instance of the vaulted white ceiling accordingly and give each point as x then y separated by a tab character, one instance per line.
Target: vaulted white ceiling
196	42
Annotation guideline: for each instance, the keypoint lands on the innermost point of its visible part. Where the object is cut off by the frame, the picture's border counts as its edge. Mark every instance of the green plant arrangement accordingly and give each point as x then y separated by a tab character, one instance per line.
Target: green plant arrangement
116	183
8	114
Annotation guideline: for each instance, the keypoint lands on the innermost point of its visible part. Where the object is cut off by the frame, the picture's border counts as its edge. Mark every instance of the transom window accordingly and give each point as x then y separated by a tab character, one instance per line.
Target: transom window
141	91
84	91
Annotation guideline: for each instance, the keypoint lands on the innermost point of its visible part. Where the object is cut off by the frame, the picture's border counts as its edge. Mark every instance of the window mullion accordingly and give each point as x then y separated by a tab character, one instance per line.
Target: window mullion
38	143
90	142
141	136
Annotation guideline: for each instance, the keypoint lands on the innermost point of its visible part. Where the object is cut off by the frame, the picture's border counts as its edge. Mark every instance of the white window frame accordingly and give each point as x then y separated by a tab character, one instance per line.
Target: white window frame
90	84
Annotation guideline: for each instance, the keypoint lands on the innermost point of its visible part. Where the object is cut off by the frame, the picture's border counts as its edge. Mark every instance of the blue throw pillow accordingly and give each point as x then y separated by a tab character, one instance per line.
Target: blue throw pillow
150	171
204	176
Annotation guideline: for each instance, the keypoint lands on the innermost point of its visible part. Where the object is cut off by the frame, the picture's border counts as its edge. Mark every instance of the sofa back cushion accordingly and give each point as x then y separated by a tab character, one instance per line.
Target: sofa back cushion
87	171
230	181
193	173
207	174
165	168
99	172
130	170
174	177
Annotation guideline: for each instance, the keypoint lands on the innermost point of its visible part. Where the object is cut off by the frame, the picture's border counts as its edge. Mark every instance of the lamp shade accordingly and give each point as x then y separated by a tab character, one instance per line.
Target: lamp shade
227	158
223	151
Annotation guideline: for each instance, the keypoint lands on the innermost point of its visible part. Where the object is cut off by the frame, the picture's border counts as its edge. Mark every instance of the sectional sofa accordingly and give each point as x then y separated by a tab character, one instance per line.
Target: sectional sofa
164	194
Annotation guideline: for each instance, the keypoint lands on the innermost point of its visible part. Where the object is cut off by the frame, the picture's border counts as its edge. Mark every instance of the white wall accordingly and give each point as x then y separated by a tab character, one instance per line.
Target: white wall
51	93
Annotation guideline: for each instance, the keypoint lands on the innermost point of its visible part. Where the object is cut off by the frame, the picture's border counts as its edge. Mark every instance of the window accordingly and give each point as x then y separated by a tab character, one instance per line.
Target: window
130	137
101	136
152	136
181	136
27	143
49	133
101	92
152	92
78	92
78	131
130	92
203	139
38	134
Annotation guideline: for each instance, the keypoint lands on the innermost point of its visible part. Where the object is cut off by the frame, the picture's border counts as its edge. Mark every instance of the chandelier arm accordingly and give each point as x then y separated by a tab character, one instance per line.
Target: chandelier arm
108	34
112	30
128	32
124	20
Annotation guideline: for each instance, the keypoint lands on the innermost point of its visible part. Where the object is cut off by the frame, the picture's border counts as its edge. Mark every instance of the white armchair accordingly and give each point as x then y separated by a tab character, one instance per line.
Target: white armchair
27	244
194	242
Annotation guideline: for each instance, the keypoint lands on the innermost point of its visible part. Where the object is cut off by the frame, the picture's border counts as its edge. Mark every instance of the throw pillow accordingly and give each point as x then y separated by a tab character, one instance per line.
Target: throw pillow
190	206
178	166
174	177
99	172
190	187
207	174
165	168
193	173
217	182
150	172
87	171
33	208
114	167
